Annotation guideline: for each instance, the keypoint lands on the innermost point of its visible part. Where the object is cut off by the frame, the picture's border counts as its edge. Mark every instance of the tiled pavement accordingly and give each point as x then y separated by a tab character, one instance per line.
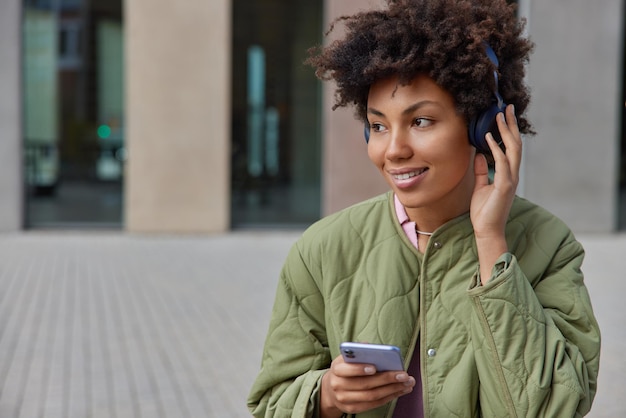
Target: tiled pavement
114	325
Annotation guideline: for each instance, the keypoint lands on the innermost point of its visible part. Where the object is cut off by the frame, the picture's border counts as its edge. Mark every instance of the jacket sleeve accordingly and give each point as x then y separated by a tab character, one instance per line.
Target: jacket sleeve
538	342
296	352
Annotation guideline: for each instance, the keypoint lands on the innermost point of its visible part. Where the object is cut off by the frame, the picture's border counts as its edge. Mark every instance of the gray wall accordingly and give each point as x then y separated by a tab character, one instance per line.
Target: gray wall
571	165
10	116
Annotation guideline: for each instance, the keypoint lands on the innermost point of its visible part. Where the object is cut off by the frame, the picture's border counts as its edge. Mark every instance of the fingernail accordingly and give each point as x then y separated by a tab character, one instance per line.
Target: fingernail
402	377
410	382
369	370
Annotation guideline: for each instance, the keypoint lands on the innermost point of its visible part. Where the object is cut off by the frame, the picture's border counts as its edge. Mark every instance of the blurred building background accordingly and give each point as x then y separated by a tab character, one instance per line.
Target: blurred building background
199	116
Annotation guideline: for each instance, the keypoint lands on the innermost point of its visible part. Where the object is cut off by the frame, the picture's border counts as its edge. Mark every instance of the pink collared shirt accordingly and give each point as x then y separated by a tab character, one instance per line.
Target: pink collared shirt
407	224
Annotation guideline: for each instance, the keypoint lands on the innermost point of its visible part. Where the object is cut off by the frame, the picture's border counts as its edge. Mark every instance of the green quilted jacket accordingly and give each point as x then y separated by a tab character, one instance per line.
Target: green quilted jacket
526	344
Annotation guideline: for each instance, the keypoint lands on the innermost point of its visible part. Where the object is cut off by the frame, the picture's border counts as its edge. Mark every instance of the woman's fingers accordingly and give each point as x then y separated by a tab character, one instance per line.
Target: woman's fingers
356	388
369	392
507	163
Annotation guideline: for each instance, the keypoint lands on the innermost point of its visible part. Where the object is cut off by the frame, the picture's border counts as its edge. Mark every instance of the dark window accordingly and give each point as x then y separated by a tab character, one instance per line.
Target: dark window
276	113
73	112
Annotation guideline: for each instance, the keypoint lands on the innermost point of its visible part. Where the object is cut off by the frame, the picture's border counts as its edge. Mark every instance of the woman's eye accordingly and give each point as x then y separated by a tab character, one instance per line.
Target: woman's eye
422	122
376	127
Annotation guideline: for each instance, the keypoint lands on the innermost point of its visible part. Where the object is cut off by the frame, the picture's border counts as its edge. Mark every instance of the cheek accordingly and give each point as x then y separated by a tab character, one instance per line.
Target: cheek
463	161
375	154
457	146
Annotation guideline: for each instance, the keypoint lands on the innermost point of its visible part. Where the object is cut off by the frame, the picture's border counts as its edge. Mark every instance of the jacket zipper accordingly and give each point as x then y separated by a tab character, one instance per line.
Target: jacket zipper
409	355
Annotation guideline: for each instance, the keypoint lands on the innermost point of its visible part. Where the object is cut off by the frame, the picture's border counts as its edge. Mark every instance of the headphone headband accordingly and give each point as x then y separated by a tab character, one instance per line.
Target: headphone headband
491	54
486	120
494	60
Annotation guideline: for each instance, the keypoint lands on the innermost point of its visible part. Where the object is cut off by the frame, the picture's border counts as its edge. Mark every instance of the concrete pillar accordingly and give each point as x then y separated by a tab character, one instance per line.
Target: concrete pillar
11	185
574	74
178	116
348	176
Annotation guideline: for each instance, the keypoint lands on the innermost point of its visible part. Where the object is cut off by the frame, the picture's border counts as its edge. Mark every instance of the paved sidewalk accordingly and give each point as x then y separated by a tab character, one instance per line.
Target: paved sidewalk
116	325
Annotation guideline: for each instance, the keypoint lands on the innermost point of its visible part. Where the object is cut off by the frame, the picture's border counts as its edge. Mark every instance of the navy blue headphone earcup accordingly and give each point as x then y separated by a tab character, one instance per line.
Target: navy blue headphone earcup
366	132
486	121
483	123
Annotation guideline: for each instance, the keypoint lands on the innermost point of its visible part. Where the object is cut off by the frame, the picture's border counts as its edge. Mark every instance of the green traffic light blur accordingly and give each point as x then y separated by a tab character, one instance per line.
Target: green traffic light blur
104	131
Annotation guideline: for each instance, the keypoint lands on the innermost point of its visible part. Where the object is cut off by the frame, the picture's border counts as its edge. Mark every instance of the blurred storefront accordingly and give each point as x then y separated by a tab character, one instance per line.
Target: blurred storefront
74	112
199	116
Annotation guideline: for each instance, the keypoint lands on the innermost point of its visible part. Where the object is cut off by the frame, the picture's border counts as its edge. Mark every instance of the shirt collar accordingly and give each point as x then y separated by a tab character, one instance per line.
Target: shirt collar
407	225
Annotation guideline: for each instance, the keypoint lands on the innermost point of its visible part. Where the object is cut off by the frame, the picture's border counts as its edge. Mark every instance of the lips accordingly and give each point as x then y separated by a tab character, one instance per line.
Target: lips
405	179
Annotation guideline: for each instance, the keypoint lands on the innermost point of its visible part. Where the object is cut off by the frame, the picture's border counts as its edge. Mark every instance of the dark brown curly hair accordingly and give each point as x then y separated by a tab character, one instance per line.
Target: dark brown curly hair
441	38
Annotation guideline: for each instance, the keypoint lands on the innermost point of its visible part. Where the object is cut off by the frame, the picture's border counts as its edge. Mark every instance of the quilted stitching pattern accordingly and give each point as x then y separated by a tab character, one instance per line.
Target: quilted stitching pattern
354	276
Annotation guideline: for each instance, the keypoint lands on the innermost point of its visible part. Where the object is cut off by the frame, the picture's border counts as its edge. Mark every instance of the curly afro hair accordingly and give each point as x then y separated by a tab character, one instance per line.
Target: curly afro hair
441	38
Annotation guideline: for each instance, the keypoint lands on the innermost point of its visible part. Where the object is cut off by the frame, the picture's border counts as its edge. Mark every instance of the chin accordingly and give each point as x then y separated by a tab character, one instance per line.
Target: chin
409	200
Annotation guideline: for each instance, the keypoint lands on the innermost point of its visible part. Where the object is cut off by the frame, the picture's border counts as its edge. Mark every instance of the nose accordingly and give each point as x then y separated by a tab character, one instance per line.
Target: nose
399	146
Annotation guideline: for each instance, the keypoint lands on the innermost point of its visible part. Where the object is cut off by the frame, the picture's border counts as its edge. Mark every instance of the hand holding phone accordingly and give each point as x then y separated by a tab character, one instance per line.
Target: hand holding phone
383	357
348	386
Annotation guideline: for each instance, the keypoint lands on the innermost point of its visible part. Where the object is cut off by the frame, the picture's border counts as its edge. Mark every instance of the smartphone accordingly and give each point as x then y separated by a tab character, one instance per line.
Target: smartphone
383	357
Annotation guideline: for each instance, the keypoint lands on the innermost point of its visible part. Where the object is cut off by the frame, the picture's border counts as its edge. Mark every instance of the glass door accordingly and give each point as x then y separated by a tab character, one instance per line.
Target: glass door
73	112
276	113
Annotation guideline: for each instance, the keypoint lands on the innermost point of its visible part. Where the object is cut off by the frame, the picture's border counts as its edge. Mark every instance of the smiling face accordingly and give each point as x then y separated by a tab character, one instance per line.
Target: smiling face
419	143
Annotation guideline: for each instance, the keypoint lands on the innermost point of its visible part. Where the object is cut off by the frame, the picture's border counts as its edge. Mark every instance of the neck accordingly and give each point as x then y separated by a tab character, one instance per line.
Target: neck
427	220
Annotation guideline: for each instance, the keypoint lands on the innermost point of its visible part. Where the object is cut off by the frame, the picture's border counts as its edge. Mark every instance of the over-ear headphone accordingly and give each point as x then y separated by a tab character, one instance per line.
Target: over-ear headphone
483	122
486	121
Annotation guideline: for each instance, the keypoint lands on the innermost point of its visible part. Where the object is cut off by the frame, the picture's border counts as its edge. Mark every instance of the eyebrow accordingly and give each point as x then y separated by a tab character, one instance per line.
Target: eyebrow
408	110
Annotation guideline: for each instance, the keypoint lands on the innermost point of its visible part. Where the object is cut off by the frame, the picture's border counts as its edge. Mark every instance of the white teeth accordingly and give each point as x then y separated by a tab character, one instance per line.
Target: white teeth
407	176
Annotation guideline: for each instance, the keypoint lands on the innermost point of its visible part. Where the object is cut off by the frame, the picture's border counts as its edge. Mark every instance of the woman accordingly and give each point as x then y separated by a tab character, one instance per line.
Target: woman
481	290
